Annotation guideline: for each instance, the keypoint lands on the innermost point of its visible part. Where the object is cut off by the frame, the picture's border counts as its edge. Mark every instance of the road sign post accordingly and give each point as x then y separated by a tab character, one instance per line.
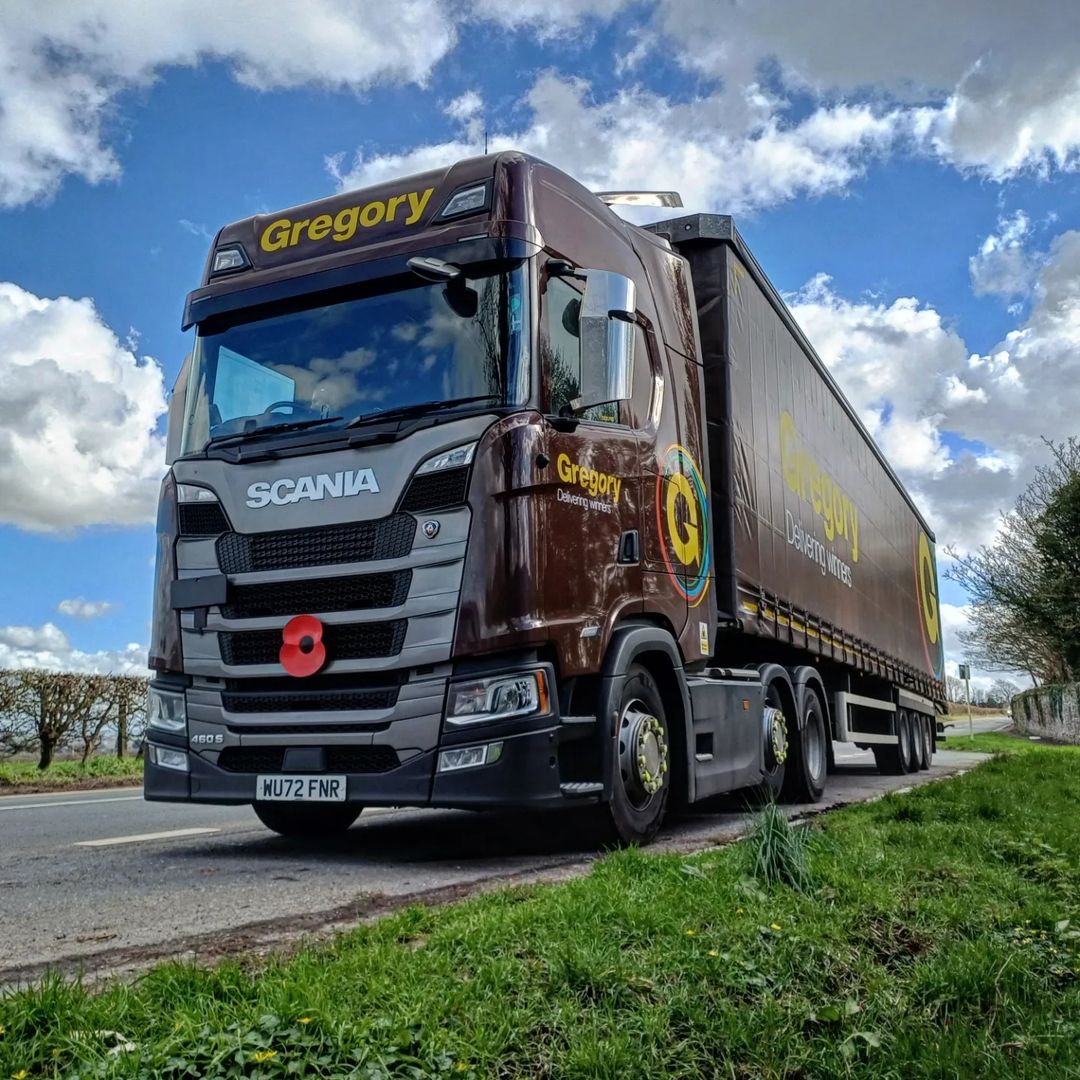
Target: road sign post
965	674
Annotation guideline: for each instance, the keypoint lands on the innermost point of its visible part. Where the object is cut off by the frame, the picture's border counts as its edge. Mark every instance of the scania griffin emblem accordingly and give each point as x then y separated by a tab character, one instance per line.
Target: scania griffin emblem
431	529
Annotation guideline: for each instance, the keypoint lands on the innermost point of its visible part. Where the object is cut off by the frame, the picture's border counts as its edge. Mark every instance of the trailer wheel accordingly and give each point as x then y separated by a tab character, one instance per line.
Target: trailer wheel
808	761
919	761
926	730
310	820
642	781
909	753
891	759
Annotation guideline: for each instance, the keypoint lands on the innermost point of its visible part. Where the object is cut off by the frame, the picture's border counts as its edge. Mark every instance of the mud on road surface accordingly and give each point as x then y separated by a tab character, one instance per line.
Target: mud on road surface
101	883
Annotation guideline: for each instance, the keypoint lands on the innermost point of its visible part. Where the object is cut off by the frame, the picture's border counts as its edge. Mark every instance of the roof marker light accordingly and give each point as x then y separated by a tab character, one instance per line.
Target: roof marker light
466	201
227	260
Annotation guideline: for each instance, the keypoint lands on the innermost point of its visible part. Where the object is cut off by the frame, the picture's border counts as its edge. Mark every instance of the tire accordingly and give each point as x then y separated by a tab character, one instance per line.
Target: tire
890	759
641	761
929	737
776	749
909	754
808	762
309	820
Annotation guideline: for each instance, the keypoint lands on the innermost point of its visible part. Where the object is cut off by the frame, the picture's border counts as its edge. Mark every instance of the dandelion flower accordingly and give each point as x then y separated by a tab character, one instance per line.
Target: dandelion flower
20	1075
690	933
713	952
738	911
264	1055
304	1020
775	926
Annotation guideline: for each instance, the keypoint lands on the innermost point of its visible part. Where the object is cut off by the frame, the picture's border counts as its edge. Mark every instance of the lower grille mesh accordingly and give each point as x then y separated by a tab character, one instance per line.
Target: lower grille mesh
356	593
357	641
341	759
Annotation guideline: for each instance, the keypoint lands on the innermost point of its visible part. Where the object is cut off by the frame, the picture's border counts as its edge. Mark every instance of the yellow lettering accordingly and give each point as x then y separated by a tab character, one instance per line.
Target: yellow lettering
616	487
345	223
298	227
417	204
393	203
319	227
839	511
827	493
815	485
789	445
854	533
276	235
372	214
562	463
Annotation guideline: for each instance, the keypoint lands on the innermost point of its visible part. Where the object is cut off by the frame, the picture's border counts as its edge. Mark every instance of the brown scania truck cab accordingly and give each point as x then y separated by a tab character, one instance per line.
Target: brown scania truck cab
480	496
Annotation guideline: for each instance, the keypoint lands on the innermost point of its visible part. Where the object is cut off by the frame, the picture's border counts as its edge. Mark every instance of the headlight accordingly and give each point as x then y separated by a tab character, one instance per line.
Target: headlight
498	698
165	711
448	459
166	757
192	493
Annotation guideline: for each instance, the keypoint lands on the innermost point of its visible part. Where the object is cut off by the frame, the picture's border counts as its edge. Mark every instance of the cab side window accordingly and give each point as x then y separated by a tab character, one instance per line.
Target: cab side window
562	352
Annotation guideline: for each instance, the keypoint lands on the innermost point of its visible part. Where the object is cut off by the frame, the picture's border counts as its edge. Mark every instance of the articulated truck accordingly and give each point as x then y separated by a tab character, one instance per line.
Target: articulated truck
480	496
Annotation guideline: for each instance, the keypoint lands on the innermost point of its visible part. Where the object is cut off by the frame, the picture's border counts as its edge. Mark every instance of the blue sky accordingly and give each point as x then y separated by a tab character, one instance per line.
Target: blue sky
855	192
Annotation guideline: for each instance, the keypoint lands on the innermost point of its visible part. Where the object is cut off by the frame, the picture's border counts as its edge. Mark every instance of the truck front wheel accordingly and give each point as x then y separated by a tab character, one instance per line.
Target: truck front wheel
310	820
641	783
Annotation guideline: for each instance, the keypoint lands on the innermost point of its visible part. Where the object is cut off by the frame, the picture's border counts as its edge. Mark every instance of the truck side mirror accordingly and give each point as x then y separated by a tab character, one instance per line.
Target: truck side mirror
608	312
176	412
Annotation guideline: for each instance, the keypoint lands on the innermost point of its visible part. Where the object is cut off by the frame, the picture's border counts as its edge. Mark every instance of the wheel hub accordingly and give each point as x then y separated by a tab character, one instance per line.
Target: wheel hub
776	745
643	753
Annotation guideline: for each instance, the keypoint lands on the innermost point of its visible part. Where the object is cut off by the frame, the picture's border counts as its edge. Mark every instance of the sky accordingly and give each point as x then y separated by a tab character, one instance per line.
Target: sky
907	175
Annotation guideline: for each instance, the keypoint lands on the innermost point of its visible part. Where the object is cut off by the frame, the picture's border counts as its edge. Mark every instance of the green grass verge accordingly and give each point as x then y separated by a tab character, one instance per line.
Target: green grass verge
938	938
994	742
15	775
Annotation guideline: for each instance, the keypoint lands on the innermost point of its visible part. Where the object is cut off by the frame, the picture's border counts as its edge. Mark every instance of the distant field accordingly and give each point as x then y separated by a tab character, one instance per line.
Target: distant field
957	710
97	772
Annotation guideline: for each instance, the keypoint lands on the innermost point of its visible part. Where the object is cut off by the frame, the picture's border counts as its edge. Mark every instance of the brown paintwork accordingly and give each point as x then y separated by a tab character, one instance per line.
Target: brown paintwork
541	567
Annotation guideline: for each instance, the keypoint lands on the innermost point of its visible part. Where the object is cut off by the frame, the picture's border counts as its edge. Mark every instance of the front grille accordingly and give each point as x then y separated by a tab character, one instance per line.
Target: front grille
307	729
434	491
347	759
388	538
356	641
202	519
327	594
311	701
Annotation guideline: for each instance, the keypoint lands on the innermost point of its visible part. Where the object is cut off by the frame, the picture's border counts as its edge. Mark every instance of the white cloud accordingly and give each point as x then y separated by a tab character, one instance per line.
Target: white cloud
991	87
78	418
65	62
1003	266
914	382
48	647
734	156
78	608
546	18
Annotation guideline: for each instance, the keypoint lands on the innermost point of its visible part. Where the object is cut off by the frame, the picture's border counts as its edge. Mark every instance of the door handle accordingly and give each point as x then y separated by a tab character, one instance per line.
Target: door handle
630	548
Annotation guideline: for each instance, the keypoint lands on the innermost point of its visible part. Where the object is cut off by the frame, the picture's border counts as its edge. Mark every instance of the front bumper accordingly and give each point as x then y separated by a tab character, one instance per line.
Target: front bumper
526	775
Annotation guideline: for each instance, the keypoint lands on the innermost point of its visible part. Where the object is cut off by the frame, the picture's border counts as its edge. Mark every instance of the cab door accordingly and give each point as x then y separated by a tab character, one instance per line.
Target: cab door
592	553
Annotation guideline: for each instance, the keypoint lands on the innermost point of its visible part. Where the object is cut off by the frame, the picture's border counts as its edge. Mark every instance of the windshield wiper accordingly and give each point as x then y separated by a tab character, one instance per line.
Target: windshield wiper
403	412
269	429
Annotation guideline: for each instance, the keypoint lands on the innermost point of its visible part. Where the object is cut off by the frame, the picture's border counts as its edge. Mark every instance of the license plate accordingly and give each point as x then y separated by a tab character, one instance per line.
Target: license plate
300	788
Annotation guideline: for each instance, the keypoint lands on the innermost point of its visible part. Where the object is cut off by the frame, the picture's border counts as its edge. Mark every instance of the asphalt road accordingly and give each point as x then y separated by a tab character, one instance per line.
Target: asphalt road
102	880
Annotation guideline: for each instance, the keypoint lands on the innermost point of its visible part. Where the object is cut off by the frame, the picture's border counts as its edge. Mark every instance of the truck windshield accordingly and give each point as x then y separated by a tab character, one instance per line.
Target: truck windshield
327	365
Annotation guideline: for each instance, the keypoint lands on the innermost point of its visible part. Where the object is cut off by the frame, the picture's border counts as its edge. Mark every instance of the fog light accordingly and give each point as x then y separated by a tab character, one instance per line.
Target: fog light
469	757
167	758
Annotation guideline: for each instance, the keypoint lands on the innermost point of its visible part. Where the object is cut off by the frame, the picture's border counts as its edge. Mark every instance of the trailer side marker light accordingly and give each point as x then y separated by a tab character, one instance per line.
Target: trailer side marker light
745	704
542	690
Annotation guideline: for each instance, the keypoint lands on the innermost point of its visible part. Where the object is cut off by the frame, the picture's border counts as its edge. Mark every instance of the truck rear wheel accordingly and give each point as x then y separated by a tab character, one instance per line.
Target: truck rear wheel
808	761
918	742
926	732
311	820
641	784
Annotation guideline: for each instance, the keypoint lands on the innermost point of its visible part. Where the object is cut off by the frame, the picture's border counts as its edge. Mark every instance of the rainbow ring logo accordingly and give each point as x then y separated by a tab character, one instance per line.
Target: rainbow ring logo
682	517
929	609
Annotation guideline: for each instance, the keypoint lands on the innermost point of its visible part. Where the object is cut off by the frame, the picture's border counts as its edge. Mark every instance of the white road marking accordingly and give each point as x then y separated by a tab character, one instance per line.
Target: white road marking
172	834
70	802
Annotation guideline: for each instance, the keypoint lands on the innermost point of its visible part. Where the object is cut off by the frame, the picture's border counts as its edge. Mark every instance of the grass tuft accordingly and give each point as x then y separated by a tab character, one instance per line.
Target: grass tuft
780	850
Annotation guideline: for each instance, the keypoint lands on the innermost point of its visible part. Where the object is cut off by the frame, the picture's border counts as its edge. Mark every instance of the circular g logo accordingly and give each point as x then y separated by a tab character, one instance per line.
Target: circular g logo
926	582
682	516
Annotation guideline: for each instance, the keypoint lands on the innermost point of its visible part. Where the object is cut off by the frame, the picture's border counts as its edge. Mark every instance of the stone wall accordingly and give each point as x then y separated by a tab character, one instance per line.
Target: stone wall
1050	711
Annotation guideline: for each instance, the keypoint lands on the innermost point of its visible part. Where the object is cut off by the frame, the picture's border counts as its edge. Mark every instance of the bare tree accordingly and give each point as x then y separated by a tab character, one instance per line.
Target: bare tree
129	702
98	714
1025	586
48	707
